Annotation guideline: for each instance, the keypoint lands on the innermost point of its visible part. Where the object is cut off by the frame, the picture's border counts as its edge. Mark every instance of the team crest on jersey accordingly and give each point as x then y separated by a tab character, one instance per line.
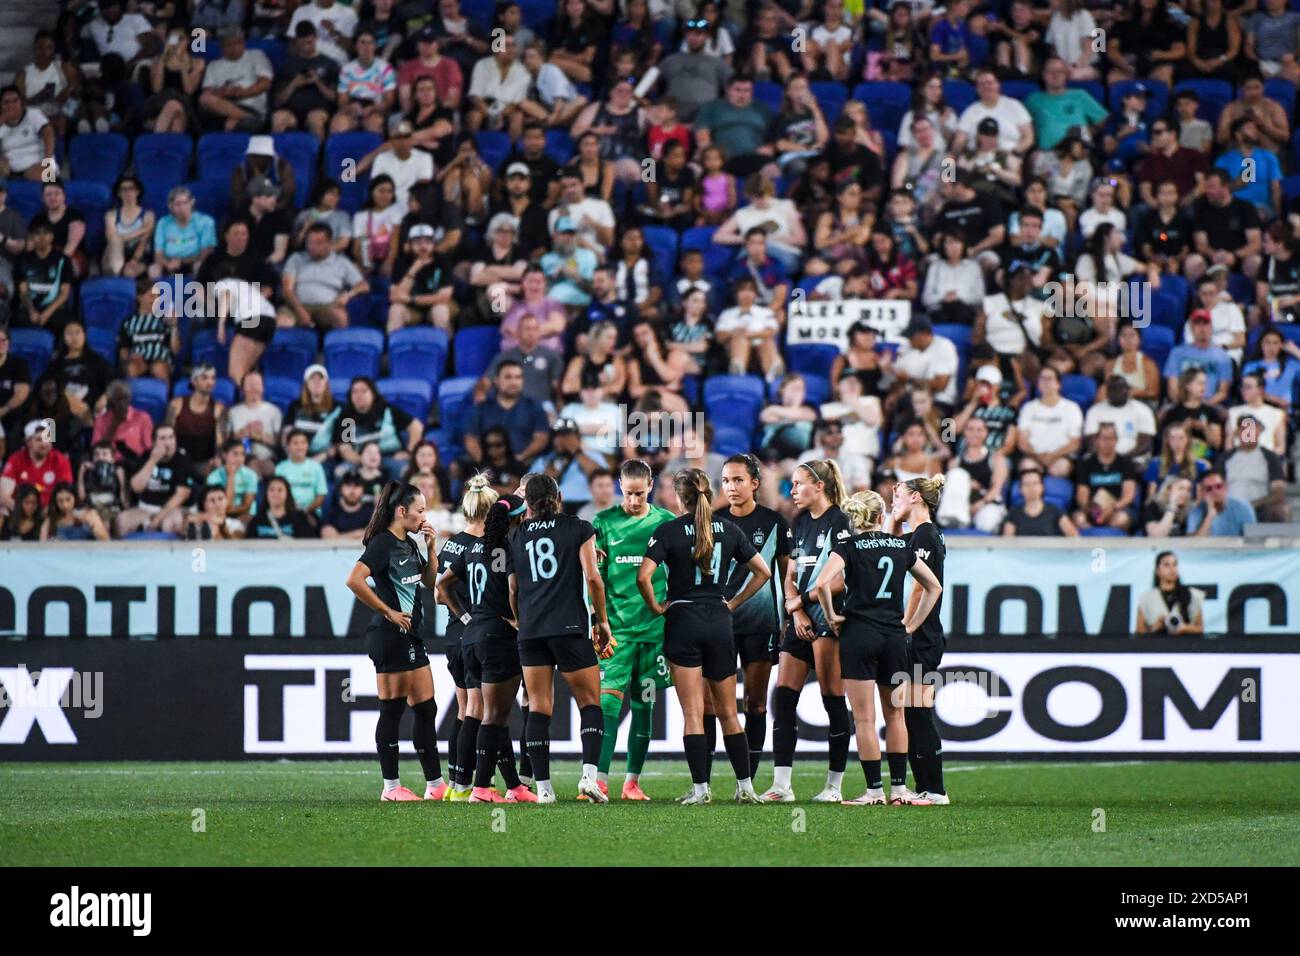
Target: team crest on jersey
758	539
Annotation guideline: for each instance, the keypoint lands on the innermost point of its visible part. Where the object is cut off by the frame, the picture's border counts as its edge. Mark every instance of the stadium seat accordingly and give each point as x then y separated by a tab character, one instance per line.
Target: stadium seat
1056	491
1168	311
1291	186
728	441
219	154
817	390
1102	533
1212	97
274	48
886	101
212	197
1283	91
1157	101
150	536
890	140
33	346
341	390
289	354
1241	288
559	145
474	348
25	198
1174	285
959	336
1288	331
420	352
223	390
959	94
149	395
369	311
831	97
1091	87
342	152
811	360
770	93
207	351
691	389
662	240
698	237
493	148
1020	89
1080	389
93	200
412	395
455	398
98	157
353	352
101	341
107	301
162	161
538	14
282	392
302	150
1157	342
735	399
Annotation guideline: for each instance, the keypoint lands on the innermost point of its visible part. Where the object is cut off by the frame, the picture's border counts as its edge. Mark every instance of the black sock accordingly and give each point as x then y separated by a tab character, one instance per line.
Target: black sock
696	758
390	715
871	770
784	726
505	748
466	757
485	756
840	727
453	751
756	736
738	753
897	769
538	736
525	761
710	742
592	722
925	748
424	734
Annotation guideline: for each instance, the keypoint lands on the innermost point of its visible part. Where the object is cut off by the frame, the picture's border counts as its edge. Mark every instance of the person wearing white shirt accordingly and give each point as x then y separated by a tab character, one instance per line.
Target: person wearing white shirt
593	216
1015	125
26	138
1012	321
599	420
1227	322
497	85
1050	428
927	359
335	24
748	329
400	162
1271	418
855	468
129	35
1135	425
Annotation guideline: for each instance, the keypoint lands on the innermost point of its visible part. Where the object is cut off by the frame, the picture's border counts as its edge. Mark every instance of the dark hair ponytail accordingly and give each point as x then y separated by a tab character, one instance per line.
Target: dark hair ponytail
543	496
497	523
395	494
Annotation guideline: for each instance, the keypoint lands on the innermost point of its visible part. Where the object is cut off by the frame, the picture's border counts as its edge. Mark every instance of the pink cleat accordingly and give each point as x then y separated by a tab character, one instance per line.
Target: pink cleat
401	793
604	788
632	790
520	794
486	795
437	793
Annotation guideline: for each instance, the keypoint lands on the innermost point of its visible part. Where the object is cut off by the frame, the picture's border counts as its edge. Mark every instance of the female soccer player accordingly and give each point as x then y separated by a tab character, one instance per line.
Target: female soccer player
698	641
546	594
873	636
915	503
637	667
757	623
491	650
809	644
402	671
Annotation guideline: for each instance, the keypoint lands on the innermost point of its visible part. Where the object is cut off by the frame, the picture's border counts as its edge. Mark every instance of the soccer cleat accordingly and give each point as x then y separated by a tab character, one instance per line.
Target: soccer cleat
937	799
632	791
872	798
903	797
597	791
401	793
437	793
746	796
545	798
778	795
485	795
829	795
684	796
520	794
459	796
694	799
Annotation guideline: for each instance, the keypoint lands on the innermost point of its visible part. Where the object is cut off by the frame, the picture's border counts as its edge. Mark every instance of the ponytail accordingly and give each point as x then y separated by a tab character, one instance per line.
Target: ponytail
695	493
478	498
542	495
828	473
396	494
864	510
929	489
499	517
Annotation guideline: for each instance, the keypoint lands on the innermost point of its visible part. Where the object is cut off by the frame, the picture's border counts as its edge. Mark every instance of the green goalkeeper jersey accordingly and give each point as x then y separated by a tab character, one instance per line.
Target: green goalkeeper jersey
623	540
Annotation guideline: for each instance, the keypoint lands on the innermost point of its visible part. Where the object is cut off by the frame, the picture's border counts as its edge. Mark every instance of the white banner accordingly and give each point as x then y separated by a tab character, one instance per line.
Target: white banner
827	323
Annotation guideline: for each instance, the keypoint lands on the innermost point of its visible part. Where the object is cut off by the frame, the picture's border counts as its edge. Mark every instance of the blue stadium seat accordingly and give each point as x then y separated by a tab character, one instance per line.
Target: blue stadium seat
474	349
662	240
353	352
886	101
302	150
1157	342
149	395
107	301
98	157
538	14
219	154
1168	310
769	93
25	198
698	237
1174	285
728	441
412	395
1212	96
691	389
223	390
831	97
92	199
340	389
890	140
960	336
1291	186
33	346
369	311
1080	389
274	48
455	398
1157	100
1241	288
207	351
150	536
211	196
959	94
1288	331
817	389
1102	533
1280	89
719	259
349	148
419	352
289	354
559	145
162	161
812	360
735	399
101	341
1056	491
1020	89
1091	87
493	148
282	392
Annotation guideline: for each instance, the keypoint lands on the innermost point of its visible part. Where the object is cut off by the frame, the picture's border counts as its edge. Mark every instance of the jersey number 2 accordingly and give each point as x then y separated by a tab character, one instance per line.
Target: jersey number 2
885	564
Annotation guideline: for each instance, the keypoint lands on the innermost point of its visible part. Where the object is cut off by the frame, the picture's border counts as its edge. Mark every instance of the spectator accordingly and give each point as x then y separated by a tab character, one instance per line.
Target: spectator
424	292
928	360
523	418
277	517
593	218
367	89
68	224
691	336
305	86
913	458
1271	421
951	38
427	460
599	420
46	280
128	35
842	232
335	23
13	241
1015	323
570	464
673	195
368	417
1166	512
1216	513
1226	230
126	430
82	373
1213	44
101	483
261	163
653	368
1146	45
193	419
891	274
1257	171
1177	458
183	238
1164	234
1135	426
1256	474
928	101
984	473
498	86
535	301
346	516
1015	126
305	475
1049	428
1273	40
1201	354
26	138
15	384
553	100
128	231
717	197
600	486
235	87
1169	161
598	362
318	283
1170	607
212	520
737	125
495	457
541	366
748	332
1105	485
37	464
258	421
49	83
788	422
621	125
174	80
1277	288
239	482
977	219
569	268
269	226
829	444
695	76
162	485
1274	361
1035	517
25	520
429	62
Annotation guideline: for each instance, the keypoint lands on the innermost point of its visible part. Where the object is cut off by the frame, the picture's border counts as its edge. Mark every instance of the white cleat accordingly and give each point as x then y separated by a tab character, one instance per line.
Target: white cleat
694	799
937	799
778	795
872	798
685	796
547	797
903	797
829	795
747	796
590	789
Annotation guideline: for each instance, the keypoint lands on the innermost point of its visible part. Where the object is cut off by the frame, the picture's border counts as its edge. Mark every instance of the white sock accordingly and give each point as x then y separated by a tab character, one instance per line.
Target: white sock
781	778
433	784
701	789
834	779
544	787
602	777
746	784
632	778
589	771
391	785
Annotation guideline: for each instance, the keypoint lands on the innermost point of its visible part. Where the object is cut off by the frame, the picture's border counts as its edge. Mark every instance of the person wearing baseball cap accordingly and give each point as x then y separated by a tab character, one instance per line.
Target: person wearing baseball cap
400	161
570	464
522	202
424	291
568	266
37	463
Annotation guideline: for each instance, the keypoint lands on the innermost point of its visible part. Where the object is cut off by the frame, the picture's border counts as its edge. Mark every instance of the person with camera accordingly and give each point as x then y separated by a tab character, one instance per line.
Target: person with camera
1170	607
569	464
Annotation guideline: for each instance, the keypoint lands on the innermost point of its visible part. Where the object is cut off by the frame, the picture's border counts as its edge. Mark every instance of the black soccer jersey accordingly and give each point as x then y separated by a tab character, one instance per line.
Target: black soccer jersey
673	548
396	567
875	571
452	556
810	546
489	583
927	544
552	592
769	533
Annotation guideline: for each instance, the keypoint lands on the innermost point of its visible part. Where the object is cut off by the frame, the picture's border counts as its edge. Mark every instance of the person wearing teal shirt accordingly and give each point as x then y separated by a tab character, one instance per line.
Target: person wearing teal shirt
305	475
568	267
243	493
1058	108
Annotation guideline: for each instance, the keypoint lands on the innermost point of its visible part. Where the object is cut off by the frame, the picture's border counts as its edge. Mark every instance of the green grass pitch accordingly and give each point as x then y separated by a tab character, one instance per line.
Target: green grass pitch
328	813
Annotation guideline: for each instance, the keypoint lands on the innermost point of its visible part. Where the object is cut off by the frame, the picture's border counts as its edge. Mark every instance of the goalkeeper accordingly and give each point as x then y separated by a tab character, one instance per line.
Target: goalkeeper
638	670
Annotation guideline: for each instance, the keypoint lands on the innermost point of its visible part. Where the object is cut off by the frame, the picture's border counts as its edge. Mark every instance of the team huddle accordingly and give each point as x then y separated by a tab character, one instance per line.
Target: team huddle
639	600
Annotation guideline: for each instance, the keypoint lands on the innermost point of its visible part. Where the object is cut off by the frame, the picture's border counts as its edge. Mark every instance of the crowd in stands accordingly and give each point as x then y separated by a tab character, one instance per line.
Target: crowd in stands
258	257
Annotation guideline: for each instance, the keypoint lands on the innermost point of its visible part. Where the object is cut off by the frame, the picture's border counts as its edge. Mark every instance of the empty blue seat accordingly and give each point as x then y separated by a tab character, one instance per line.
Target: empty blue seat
474	349
1080	389
25	198
1103	532
1283	91
162	161
812	360
281	392
735	399
107	301
412	395
353	352
959	94
663	242
1020	89
831	97
887	102
207	351
493	147
289	354
33	346
150	395
219	154
769	93
274	48
1157	342
302	150
455	398
1091	87
211	196
1168	310
729	441
92	200
419	351
101	341
698	237
559	145
98	157
343	151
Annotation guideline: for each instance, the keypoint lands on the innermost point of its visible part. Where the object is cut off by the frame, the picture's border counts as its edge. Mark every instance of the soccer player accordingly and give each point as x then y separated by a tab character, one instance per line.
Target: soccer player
915	503
873	636
817	488
757	623
393	562
698	641
555	631
637	667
